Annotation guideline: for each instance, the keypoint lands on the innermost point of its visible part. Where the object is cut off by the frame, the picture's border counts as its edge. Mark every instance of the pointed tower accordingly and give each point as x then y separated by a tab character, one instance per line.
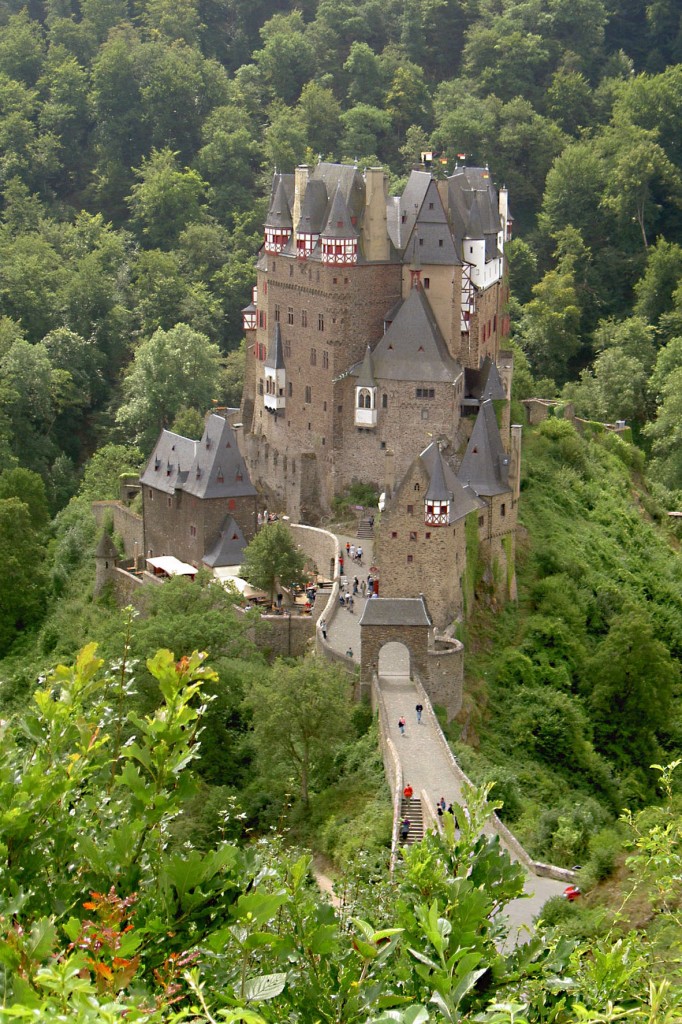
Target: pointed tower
366	394
278	223
438	498
339	238
274	398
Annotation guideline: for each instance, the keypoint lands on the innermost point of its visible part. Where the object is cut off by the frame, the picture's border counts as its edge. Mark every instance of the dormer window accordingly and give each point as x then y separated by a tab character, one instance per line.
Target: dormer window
220	477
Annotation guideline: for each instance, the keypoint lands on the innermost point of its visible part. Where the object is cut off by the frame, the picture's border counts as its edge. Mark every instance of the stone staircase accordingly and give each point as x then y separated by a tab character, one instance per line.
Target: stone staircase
365	531
413	810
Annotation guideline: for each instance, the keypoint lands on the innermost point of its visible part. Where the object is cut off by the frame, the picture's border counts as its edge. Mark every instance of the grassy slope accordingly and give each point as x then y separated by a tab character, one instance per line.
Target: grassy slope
587	553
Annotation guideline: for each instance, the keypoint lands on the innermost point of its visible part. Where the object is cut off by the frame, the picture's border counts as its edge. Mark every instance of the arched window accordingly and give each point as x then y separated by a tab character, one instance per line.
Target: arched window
364	399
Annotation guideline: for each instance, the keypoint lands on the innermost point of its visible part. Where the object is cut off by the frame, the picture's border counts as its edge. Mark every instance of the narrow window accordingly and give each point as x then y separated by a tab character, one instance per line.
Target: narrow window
308	394
394	535
503	509
320	321
325	360
410	559
304	318
384	401
277	312
410	509
290	315
413	535
313	357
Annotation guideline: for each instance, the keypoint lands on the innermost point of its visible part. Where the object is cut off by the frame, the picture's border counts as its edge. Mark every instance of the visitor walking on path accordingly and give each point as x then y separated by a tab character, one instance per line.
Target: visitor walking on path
408	792
401	725
419	708
323	629
404	829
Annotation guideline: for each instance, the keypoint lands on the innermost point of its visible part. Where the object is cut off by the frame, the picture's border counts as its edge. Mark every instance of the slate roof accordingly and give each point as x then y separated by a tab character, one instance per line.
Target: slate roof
409	206
395	611
473	208
413	347
484	382
485	465
444	485
169	463
366	377
431	239
313	208
209	468
228	548
279	213
339	223
275	359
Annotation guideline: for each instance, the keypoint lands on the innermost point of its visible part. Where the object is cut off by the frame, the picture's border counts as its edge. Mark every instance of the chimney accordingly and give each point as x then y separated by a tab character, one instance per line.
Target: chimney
375	241
515	468
301	178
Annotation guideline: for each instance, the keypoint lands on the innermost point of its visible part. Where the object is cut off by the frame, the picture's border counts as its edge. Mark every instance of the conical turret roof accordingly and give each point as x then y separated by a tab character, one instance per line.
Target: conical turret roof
366	374
279	214
275	359
339	224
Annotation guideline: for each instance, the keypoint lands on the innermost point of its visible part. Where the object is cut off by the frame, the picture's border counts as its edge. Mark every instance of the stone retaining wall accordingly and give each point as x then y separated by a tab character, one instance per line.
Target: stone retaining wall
127	524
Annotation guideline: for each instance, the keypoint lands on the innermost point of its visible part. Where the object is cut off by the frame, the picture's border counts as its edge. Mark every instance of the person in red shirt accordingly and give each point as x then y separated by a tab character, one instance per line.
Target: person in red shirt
408	792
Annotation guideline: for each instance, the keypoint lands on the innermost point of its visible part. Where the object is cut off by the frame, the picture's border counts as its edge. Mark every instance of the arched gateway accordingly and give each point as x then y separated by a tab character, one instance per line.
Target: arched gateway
403	620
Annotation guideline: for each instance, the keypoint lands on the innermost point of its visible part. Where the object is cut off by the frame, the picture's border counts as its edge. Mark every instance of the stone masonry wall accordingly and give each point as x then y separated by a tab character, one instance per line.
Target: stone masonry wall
186	526
414	558
127	524
445	680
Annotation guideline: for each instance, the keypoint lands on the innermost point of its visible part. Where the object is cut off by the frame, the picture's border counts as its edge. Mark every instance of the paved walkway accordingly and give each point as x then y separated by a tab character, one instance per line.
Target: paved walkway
425	764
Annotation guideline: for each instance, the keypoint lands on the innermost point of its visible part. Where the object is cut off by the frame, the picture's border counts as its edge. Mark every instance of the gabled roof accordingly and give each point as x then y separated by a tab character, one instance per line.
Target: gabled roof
210	468
410	205
169	463
279	213
473	207
339	224
431	238
275	359
485	465
396	611
218	469
413	347
366	374
444	485
347	179
228	548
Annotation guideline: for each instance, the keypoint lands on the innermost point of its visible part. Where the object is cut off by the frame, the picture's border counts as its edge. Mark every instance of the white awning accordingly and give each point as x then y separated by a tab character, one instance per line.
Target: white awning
227	574
171	565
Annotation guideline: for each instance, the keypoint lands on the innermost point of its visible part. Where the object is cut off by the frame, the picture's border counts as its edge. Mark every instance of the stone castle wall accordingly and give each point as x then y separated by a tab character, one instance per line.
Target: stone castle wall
127	524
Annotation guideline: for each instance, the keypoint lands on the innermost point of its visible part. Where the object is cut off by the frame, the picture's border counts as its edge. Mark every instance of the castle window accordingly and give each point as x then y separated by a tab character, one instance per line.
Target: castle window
364	399
394	535
425	414
335	280
481	520
426	392
290	314
421	241
403	218
427	283
260	387
291	270
382	444
320	321
277	312
410	509
430	206
287	349
308	394
416	487
291	389
151	494
323	441
313	357
304	318
325	360
262	319
384	401
427	535
440	243
192	531
324	407
413	535
410	559
503	509
170	503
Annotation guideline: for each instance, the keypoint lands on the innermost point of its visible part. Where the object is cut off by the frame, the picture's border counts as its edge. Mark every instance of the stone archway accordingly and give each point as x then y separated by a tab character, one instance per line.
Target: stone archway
395	659
394	620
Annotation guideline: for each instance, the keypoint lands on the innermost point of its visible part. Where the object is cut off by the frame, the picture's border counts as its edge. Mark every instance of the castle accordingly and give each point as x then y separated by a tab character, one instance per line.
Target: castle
374	355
